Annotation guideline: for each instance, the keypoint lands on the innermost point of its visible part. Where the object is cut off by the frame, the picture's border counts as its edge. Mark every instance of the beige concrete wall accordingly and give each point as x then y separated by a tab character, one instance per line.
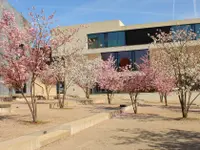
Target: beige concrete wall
75	90
93	56
40	89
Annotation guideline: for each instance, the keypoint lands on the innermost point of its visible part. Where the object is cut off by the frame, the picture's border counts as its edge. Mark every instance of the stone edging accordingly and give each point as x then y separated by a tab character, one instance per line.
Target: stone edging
39	139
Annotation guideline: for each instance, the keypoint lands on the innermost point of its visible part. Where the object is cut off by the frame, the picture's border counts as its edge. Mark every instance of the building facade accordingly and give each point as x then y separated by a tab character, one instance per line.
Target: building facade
127	44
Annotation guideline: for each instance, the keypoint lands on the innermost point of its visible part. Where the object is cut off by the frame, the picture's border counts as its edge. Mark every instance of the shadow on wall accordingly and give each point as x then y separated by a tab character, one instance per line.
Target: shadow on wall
174	139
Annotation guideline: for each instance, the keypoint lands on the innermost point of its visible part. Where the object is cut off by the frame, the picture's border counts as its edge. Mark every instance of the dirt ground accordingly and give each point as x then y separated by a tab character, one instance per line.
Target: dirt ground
155	127
18	123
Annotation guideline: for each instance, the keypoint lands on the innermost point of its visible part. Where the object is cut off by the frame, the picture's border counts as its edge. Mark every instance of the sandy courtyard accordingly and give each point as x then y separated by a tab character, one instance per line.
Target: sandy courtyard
155	127
18	122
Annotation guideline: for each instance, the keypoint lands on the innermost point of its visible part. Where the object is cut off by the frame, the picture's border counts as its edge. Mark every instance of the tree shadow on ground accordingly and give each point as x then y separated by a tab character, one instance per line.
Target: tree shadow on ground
4	117
172	139
144	117
195	109
98	109
17	118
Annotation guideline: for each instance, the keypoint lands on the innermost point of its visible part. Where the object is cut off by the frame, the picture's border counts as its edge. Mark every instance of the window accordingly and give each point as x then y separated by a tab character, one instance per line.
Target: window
197	30
135	36
183	27
96	41
24	90
124	58
186	28
141	36
139	54
116	39
60	87
105	56
110	39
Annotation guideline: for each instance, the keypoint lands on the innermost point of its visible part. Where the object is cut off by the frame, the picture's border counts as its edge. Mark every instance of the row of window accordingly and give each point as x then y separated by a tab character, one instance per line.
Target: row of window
122	59
110	39
126	57
133	37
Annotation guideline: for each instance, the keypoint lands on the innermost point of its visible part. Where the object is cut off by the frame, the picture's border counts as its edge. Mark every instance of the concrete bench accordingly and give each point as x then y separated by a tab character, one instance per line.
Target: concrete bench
6	99
5	108
53	104
86	101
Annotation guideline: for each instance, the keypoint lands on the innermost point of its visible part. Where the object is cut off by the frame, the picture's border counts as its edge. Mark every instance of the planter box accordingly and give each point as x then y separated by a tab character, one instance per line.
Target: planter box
5	108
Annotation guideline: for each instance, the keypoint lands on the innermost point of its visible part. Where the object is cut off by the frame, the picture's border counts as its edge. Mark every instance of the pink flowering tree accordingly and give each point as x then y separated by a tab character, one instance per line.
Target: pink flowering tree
109	78
88	74
138	81
179	56
15	45
159	78
66	69
133	85
163	85
48	78
67	51
26	52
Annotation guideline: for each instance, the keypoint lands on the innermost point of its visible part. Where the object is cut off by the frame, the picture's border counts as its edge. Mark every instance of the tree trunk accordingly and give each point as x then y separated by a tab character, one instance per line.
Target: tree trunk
165	97
133	98
161	97
87	93
184	111
183	99
29	106
47	92
10	92
64	95
109	96
34	101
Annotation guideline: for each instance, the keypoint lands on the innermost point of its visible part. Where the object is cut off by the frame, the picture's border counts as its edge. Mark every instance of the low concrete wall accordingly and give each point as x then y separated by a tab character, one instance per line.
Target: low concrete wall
5	108
21	143
38	139
46	139
79	125
41	138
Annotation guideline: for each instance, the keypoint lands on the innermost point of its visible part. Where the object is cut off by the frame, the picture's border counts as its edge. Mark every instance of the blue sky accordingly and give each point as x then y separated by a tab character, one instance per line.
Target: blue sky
70	12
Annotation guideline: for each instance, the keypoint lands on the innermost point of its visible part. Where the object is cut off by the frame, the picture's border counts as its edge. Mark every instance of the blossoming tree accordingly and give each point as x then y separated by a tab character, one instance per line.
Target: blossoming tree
163	85
66	68
16	56
88	74
48	78
138	81
160	80
25	51
180	57
108	78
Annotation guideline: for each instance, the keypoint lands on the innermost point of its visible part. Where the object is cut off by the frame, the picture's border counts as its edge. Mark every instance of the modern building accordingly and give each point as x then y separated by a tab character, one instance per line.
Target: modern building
127	44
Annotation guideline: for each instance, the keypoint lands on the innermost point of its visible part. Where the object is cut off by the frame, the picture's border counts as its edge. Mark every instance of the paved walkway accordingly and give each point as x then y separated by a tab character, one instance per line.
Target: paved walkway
144	131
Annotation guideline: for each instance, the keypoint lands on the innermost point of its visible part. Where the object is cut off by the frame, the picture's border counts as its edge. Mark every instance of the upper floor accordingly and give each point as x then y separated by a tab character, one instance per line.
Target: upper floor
131	37
114	36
